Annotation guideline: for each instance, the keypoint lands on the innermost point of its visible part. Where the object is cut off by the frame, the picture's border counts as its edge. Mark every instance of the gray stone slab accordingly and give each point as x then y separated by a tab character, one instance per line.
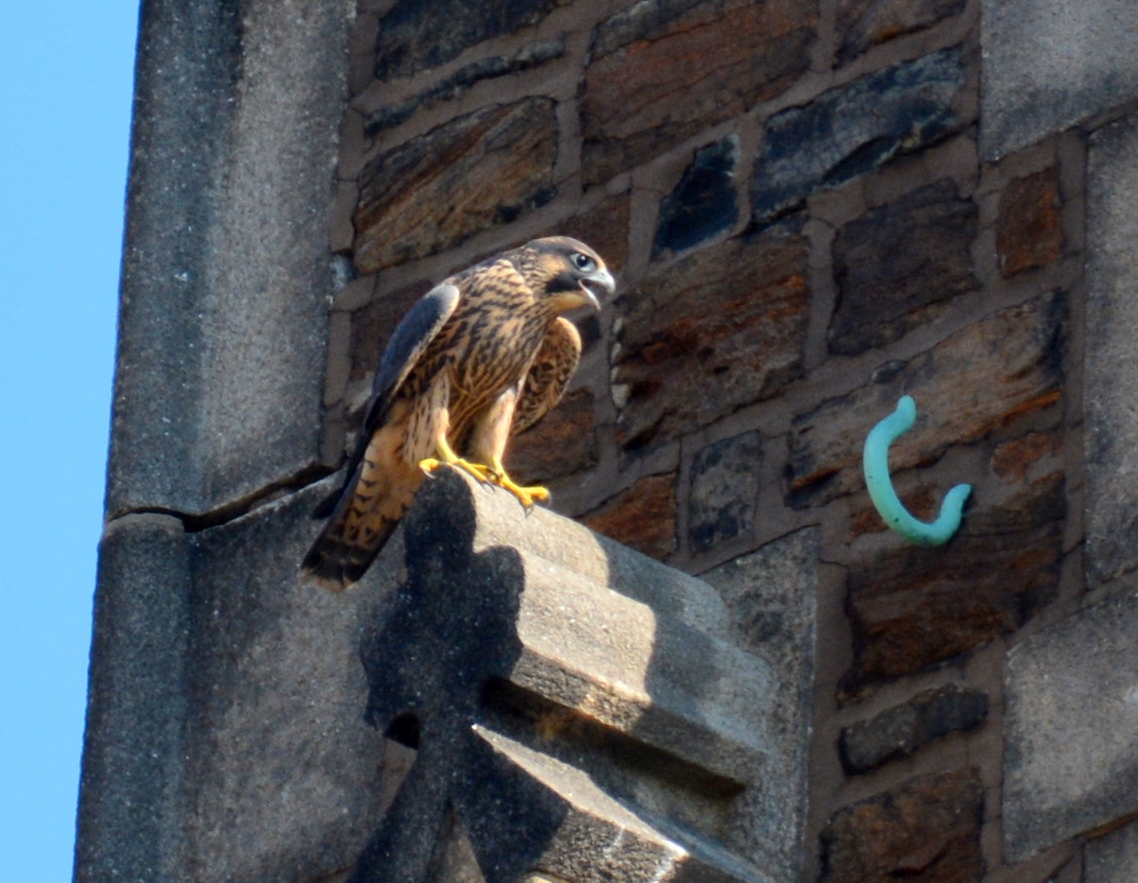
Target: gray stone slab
1049	64
1111	384
771	601
1112	858
561	722
226	268
1070	756
226	737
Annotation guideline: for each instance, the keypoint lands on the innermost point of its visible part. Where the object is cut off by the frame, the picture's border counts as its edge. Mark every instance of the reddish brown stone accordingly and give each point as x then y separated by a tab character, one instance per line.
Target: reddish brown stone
896	263
471	174
1012	459
561	444
1028	229
865	23
717	330
643	517
925	831
912	608
655	80
922	503
983	377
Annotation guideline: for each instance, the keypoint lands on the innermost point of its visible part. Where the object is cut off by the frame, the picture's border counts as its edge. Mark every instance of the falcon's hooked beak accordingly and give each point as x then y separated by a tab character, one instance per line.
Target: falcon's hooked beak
601	279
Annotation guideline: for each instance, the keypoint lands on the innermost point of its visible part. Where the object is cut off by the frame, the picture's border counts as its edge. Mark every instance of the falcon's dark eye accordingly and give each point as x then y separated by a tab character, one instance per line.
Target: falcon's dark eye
584	262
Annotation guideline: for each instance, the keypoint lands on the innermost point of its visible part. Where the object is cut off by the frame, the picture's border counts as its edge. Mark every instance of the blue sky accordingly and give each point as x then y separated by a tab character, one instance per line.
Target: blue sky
66	69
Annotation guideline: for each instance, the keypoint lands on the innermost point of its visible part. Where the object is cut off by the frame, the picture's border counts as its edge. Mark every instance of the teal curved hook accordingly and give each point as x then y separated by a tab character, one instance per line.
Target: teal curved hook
875	460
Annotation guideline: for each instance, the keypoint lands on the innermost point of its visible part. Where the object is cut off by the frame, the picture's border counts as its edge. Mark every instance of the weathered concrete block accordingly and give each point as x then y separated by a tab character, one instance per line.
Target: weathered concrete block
226	739
1113	858
1051	63
770	597
1112	351
849	130
227	267
1069	759
577	708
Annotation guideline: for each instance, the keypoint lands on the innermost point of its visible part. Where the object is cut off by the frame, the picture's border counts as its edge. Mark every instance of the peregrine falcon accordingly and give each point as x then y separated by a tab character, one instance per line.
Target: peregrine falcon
483	355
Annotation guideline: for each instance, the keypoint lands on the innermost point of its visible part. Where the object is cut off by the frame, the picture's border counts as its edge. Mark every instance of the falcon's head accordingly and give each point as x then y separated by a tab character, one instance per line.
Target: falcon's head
565	270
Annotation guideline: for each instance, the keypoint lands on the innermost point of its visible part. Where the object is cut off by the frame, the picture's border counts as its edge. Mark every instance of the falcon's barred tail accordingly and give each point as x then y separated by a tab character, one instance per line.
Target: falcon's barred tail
371	507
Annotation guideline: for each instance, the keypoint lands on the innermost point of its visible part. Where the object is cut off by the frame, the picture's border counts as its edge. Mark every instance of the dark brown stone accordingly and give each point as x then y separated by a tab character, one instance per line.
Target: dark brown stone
564	442
896	263
658	77
912	608
471	174
1028	230
981	378
719	329
900	731
643	517
862	24
925	831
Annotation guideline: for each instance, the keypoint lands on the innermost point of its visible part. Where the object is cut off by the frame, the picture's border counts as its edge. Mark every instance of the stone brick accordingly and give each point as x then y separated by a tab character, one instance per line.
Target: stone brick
849	130
1028	229
471	174
1112	351
563	443
1113	858
771	598
724	487
862	24
1031	87
897	262
721	328
1069	762
662	71
462	80
643	517
415	36
983	377
900	731
704	203
912	608
926	831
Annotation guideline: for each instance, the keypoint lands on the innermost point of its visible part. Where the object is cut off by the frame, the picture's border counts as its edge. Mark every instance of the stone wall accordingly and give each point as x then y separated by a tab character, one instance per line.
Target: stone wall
813	207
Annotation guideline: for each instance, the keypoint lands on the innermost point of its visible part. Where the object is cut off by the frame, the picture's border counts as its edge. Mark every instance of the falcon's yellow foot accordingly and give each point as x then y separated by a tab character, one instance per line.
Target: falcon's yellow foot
526	495
482	473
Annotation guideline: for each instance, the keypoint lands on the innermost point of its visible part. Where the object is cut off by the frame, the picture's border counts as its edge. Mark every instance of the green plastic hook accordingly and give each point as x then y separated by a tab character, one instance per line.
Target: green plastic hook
875	460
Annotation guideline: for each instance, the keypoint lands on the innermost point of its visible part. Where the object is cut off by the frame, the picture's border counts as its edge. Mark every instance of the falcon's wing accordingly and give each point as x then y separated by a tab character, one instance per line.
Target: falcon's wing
549	375
410	338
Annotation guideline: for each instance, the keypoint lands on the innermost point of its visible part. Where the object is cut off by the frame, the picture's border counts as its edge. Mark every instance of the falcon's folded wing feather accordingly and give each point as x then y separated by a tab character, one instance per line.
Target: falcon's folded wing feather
408	342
